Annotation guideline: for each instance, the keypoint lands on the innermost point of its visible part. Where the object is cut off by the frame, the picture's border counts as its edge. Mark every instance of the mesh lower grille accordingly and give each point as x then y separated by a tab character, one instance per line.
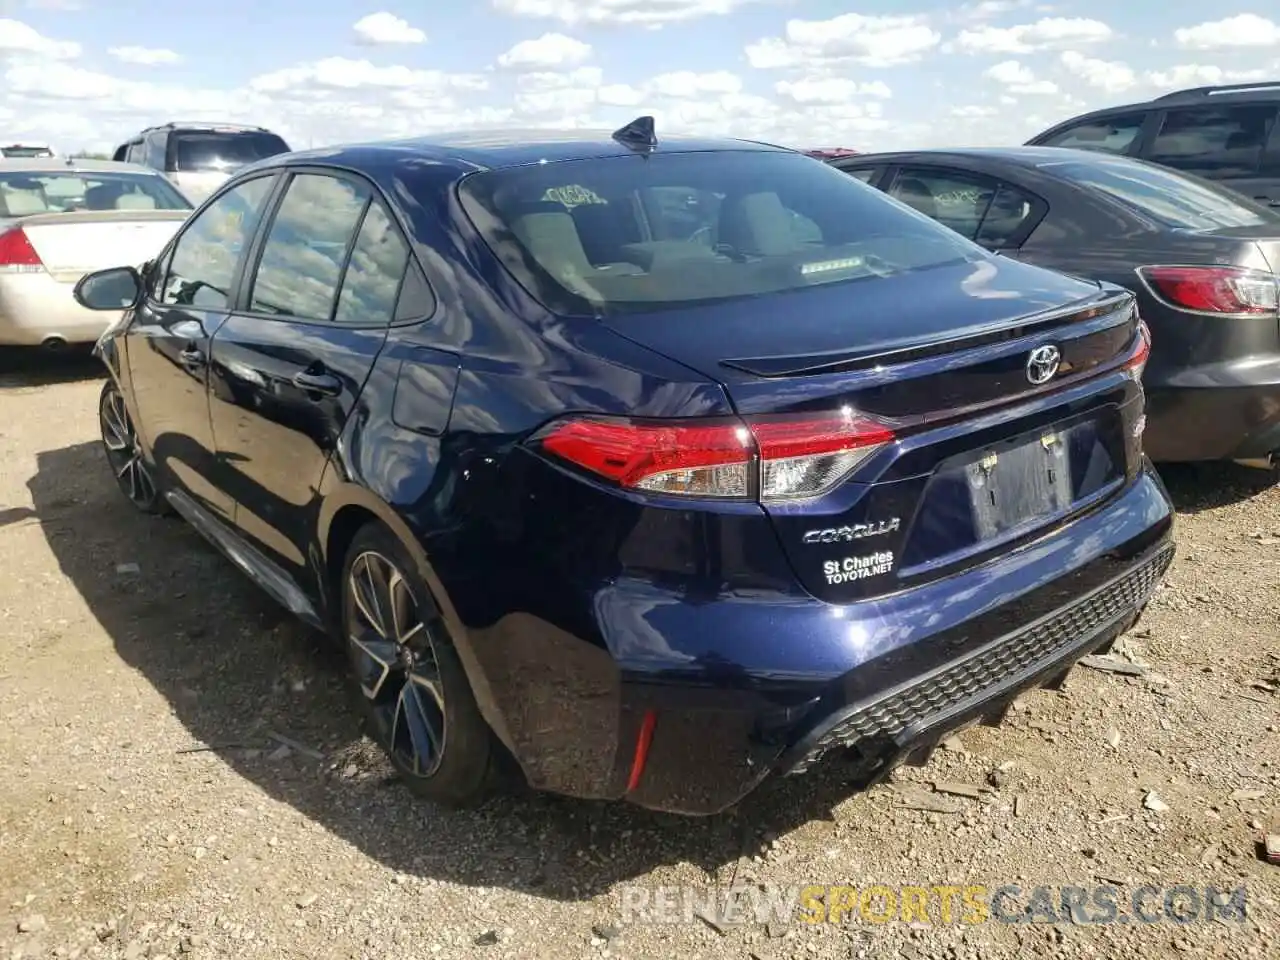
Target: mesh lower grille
1022	652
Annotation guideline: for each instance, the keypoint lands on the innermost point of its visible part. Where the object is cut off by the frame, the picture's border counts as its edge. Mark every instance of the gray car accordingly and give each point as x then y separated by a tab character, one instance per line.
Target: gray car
1202	259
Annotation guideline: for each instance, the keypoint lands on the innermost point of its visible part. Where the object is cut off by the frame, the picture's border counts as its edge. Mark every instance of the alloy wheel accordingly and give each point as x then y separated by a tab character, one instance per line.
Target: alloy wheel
395	663
124	450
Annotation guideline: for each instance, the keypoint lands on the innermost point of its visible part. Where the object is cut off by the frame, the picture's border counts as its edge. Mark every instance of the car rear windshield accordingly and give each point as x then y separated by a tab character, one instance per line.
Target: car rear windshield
23	193
222	150
1165	195
634	234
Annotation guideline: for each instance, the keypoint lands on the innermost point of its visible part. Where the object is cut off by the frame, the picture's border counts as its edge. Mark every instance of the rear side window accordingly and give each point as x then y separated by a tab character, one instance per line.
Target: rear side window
956	200
1213	141
193	151
634	234
1106	134
865	174
372	281
1164	195
301	265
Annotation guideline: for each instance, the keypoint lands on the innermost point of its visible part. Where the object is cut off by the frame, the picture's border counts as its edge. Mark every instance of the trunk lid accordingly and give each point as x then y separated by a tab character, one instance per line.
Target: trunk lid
1262	239
73	244
984	452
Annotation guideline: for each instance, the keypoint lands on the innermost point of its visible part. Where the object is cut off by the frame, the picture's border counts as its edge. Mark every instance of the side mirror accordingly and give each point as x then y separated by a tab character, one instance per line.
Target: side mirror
116	288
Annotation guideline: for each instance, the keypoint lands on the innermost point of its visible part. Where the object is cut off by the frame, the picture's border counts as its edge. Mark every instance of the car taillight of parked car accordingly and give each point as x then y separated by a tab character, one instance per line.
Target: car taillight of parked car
1137	361
17	255
1237	291
772	458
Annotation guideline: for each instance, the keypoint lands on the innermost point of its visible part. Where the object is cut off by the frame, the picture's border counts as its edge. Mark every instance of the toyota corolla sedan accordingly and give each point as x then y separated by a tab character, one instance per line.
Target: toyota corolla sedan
645	467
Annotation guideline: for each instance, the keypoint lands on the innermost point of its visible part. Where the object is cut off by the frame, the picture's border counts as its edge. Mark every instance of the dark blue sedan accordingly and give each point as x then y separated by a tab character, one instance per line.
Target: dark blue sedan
640	467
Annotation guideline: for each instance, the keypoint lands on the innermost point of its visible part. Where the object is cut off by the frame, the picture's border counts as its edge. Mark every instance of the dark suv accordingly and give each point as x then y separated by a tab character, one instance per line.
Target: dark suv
1224	133
198	157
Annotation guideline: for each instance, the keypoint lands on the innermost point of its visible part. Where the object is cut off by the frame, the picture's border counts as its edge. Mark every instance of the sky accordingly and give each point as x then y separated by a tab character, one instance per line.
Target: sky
872	75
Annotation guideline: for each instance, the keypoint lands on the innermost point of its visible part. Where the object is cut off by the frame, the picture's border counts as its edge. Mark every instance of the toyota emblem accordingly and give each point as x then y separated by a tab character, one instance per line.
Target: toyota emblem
1043	363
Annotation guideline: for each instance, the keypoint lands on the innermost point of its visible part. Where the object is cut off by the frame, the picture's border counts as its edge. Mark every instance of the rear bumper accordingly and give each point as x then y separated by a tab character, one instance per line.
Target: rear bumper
1227	411
35	307
746	686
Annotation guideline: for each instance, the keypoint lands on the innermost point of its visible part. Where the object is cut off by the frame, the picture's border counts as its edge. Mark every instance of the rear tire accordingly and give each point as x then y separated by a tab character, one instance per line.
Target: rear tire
416	698
125	454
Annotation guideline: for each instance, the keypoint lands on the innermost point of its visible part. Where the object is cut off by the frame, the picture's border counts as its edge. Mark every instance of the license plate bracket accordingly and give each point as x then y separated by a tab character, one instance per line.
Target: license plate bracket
1012	487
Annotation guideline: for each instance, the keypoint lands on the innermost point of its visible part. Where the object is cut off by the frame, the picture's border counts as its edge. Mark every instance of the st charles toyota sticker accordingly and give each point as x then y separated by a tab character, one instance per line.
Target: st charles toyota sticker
858	568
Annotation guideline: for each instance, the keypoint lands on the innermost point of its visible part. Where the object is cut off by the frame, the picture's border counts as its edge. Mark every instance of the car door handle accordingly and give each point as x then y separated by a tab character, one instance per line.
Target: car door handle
192	357
325	384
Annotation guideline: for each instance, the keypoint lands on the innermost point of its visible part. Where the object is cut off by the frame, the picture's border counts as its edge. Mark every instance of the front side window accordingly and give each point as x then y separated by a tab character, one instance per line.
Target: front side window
301	265
1214	141
1106	134
1164	195
206	255
644	233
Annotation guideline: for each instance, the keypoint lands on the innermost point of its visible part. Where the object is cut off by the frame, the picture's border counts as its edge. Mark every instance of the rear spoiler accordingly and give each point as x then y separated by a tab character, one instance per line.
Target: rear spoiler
1115	300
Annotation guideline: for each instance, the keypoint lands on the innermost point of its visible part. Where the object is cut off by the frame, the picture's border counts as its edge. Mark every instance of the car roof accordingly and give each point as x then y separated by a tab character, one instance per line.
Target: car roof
496	149
71	164
1014	156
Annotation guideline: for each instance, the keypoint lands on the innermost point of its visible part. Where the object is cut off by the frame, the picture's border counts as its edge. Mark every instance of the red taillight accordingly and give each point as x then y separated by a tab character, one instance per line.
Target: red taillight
1230	290
16	250
774	458
1137	361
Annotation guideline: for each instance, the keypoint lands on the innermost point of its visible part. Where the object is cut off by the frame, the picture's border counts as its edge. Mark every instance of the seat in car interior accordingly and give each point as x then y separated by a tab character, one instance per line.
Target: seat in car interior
21	203
548	231
758	225
916	194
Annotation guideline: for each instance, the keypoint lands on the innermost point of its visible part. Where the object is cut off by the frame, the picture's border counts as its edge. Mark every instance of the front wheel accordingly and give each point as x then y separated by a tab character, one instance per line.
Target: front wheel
415	693
124	452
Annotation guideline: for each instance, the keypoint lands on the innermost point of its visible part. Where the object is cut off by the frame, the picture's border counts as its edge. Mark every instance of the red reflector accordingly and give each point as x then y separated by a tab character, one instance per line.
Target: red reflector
1142	352
16	250
1232	290
643	742
629	451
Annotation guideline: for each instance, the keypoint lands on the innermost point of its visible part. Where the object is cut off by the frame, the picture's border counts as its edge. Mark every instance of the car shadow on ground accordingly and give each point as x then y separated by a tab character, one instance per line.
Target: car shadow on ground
236	670
36	367
1195	487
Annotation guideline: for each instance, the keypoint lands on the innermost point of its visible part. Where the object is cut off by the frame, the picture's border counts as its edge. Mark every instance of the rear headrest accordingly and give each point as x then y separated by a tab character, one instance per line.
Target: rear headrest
21	203
758	225
135	201
552	238
915	193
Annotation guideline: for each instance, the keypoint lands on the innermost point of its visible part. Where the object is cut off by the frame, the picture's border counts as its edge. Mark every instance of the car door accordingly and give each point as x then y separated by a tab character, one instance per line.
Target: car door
290	363
1225	143
189	295
992	212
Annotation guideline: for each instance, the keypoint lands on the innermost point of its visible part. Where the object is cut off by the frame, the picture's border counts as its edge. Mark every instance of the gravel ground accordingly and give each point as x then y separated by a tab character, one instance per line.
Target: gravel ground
148	808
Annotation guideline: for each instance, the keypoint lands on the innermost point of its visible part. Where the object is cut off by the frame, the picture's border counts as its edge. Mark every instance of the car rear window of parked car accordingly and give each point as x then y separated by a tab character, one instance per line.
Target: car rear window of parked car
1165	195
1221	141
218	151
56	192
634	234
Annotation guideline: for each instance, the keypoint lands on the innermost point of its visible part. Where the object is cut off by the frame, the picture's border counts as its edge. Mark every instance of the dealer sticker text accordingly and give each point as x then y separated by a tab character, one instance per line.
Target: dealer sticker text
858	568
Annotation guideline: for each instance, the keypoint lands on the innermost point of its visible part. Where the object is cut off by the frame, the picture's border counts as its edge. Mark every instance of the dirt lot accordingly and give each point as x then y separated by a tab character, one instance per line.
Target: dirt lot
146	810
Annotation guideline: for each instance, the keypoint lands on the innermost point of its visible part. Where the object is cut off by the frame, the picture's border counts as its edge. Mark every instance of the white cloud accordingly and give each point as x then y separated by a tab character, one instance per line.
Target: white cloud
972	112
848	38
686	83
647	13
1019	78
145	56
1028	37
340	73
17	37
384	29
1244	30
1200	74
830	89
548	50
1110	76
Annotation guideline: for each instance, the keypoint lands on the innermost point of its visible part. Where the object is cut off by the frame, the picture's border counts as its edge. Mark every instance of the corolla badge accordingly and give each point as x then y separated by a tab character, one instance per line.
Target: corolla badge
855	531
1043	363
